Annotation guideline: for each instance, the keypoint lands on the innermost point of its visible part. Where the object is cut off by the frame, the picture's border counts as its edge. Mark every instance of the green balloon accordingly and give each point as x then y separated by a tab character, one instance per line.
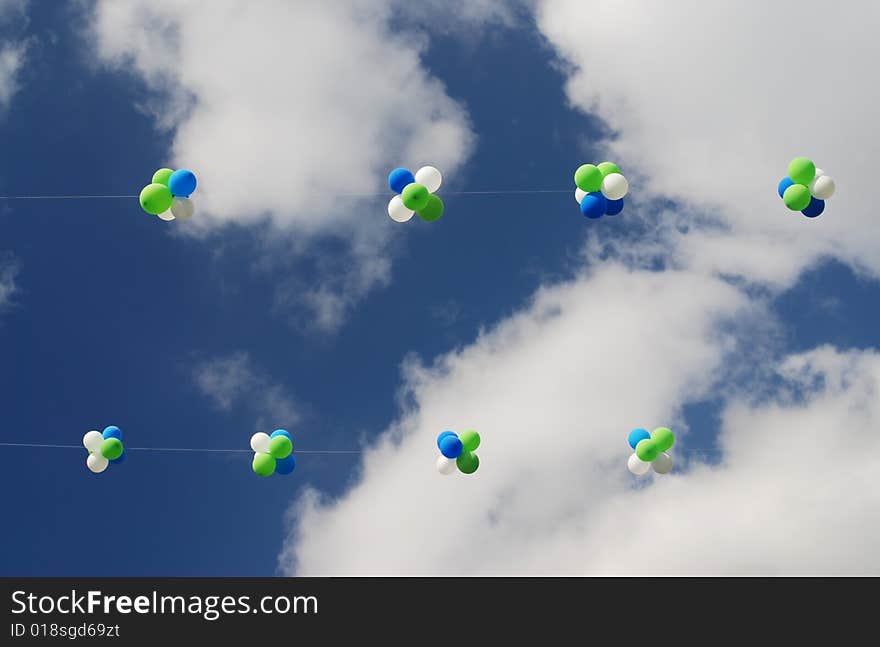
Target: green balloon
433	210
647	450
156	199
605	168
470	440
796	197
663	438
111	449
801	170
467	462
588	178
264	464
161	176
415	196
280	447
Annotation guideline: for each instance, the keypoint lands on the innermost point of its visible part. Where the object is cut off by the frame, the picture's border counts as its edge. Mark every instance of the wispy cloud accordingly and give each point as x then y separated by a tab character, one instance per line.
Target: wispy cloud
234	381
13	53
9	270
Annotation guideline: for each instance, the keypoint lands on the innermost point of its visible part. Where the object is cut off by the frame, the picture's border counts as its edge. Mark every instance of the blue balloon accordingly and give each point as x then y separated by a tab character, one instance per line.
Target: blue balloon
784	183
636	436
112	432
399	178
593	205
281	432
613	207
815	208
182	183
443	435
120	459
285	465
450	446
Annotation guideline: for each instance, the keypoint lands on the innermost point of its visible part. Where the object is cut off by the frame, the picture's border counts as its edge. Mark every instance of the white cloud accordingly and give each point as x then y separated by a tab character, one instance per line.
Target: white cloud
233	381
554	390
283	108
711	101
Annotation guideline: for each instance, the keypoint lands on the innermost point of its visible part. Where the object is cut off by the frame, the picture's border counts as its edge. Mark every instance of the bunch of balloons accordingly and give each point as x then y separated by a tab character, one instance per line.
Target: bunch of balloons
416	194
600	189
104	448
806	187
458	452
272	454
650	451
167	196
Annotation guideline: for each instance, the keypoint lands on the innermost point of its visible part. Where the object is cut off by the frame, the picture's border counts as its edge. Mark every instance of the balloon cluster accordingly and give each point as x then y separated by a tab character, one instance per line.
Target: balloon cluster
458	451
272	454
416	194
650	451
805	188
600	189
104	448
167	196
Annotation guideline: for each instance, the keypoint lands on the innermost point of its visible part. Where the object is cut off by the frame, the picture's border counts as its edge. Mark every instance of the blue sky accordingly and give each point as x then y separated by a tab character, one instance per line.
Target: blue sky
114	315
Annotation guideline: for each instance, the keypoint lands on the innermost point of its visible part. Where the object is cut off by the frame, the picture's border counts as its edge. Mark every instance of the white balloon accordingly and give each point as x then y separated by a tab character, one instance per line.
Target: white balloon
819	173
398	211
260	442
93	441
822	187
97	463
182	208
663	463
637	466
445	466
430	177
579	195
614	186
166	216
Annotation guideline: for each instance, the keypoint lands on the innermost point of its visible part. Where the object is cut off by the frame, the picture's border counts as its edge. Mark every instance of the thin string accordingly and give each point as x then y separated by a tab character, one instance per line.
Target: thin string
64	197
247	451
347	195
510	191
184	449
